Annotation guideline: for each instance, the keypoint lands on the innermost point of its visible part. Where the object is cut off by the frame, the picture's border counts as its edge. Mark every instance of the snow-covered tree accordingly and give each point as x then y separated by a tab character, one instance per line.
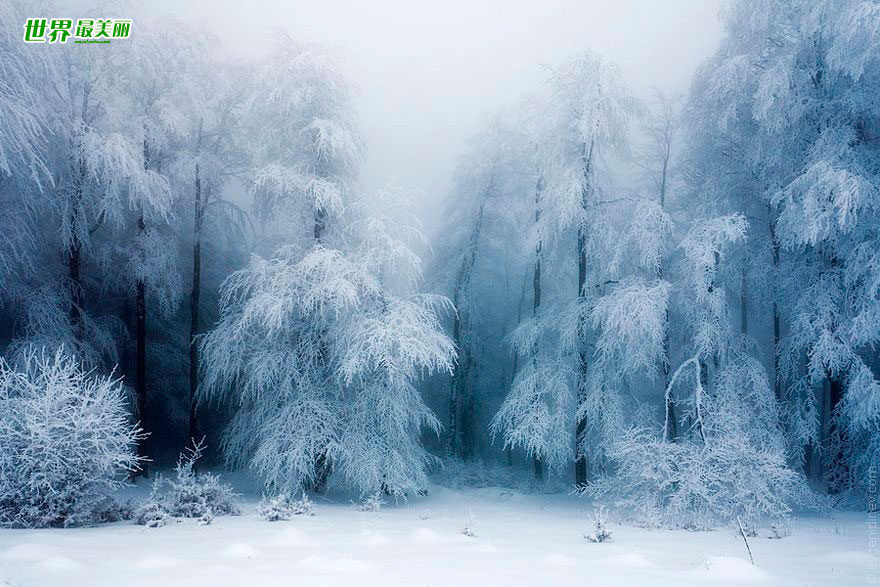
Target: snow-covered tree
324	356
791	77
478	250
587	111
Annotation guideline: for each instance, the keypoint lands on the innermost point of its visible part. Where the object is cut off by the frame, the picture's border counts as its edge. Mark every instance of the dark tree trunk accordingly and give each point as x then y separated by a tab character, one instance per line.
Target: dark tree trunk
537	467
74	250
320	225
323	466
140	310
774	245
467	413
744	303
452	442
194	310
74	260
838	435
580	467
460	372
141	352
672	422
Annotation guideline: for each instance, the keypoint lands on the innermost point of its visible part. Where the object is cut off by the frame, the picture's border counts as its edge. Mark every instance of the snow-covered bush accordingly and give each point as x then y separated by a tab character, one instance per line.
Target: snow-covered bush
188	495
696	485
600	533
66	441
372	504
284	507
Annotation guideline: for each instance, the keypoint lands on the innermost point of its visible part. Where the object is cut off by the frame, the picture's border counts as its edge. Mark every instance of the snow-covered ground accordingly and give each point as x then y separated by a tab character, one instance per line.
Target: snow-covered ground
534	540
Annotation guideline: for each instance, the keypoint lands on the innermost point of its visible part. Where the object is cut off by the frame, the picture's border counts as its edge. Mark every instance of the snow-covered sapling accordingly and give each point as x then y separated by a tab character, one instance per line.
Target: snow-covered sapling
780	529
600	533
283	507
371	504
189	494
469	529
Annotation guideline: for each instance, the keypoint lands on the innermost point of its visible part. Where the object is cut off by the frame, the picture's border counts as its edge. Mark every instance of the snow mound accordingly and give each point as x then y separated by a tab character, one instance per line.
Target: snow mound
629	559
558	559
240	550
61	564
847	557
373	538
291	537
728	568
342	566
157	561
28	552
426	536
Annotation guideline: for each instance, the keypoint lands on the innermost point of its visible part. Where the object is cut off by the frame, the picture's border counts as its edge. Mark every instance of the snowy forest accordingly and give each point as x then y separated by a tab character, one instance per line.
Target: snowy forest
654	313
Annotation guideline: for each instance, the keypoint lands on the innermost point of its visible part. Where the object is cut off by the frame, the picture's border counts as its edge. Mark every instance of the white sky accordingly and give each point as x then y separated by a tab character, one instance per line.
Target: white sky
429	73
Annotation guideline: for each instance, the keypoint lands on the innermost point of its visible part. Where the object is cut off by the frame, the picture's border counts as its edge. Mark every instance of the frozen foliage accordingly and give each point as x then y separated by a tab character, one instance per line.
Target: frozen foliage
284	507
538	412
729	460
324	349
306	147
188	495
66	441
796	127
600	532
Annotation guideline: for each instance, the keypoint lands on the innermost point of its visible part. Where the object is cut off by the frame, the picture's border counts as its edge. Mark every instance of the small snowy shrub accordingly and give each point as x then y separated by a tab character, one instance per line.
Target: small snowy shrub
110	510
469	529
372	504
66	441
188	495
150	514
600	533
780	529
284	507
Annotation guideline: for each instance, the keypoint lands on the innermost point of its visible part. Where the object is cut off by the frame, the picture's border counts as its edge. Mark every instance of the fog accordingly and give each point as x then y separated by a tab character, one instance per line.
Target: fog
428	73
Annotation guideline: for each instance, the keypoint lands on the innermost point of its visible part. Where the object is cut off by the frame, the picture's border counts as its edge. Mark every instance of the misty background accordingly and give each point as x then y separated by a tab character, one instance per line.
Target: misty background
429	74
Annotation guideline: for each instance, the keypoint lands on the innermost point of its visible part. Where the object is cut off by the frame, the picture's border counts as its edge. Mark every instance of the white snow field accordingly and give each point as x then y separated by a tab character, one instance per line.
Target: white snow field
534	540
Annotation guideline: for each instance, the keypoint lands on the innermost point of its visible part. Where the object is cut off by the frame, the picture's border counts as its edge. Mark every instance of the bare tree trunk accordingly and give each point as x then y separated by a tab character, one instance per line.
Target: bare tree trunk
467	412
194	309
537	466
73	260
141	337
774	244
744	303
141	353
452	427
460	372
837	435
672	422
580	468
